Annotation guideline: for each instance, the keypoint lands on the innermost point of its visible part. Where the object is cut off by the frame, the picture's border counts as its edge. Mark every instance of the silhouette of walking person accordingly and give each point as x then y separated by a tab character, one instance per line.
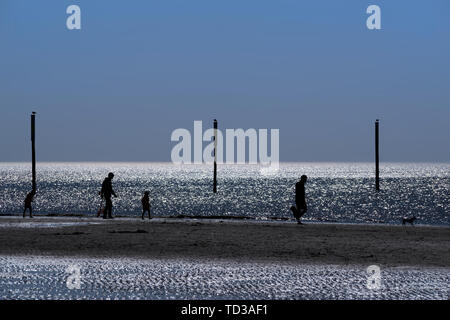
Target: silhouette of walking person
146	204
106	193
27	203
300	207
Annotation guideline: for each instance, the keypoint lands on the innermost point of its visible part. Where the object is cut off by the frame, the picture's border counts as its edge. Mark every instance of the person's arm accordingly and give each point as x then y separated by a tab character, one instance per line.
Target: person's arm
110	188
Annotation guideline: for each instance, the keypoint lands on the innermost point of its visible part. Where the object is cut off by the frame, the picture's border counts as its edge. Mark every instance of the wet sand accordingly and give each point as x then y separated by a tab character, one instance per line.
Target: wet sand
127	278
227	240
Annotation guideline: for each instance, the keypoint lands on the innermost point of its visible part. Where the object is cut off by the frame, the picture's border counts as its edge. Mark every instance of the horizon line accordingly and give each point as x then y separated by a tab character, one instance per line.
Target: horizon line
224	163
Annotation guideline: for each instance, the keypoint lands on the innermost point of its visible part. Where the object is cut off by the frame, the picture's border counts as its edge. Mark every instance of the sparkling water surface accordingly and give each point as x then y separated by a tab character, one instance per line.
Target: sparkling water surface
336	192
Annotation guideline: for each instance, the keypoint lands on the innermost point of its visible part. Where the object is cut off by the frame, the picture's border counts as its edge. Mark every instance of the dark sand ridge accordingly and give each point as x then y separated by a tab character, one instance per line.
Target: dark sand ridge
245	241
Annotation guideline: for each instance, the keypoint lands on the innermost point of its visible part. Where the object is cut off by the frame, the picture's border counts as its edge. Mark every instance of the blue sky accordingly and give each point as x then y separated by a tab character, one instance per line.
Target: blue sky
116	89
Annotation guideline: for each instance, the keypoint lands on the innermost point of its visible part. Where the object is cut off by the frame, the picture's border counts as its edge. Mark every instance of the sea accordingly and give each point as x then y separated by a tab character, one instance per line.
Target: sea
335	192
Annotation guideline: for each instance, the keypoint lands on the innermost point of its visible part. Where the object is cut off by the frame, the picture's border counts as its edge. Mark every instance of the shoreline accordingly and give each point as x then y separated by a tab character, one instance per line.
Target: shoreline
231	240
217	218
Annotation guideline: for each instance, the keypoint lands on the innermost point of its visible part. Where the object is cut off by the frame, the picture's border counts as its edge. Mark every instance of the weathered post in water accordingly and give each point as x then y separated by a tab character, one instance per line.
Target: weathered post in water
215	157
33	149
377	155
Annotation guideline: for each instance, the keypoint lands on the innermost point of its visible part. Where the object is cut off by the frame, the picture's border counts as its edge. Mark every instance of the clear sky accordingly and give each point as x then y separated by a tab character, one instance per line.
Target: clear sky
116	89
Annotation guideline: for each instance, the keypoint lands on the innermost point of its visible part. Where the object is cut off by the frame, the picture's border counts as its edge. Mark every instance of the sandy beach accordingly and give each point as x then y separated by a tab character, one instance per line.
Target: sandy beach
173	258
242	241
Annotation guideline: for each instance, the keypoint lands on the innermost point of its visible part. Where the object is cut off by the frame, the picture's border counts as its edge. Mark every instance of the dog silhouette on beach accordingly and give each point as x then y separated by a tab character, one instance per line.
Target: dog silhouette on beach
409	220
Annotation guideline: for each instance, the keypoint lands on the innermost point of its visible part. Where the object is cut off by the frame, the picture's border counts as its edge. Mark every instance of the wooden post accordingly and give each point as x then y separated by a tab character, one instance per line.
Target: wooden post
377	155
33	149
215	157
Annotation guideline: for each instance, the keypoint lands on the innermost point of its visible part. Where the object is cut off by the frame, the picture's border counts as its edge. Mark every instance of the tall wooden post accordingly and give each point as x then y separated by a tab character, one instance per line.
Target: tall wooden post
33	149
215	157
377	155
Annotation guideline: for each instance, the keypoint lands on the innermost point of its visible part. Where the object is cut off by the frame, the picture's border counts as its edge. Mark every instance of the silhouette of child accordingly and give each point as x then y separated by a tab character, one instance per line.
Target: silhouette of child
300	199
27	202
146	204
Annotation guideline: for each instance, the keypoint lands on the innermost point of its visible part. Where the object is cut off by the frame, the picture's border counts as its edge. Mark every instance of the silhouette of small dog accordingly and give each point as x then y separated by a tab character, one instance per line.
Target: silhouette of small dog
409	220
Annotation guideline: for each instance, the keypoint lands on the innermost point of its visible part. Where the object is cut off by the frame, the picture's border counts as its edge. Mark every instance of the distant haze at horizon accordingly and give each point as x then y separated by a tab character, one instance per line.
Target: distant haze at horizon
115	90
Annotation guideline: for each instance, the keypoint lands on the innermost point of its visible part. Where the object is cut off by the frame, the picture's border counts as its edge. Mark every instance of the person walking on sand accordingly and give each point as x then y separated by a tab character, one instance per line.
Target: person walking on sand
27	203
146	204
106	193
300	207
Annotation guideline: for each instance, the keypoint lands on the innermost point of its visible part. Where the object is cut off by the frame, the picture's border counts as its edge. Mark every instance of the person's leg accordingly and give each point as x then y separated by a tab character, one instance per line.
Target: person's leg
149	216
31	212
107	210
143	213
110	210
295	212
301	212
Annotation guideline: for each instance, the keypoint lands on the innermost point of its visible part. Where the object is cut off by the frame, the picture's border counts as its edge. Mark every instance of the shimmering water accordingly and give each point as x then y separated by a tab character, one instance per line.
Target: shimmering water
336	192
47	278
